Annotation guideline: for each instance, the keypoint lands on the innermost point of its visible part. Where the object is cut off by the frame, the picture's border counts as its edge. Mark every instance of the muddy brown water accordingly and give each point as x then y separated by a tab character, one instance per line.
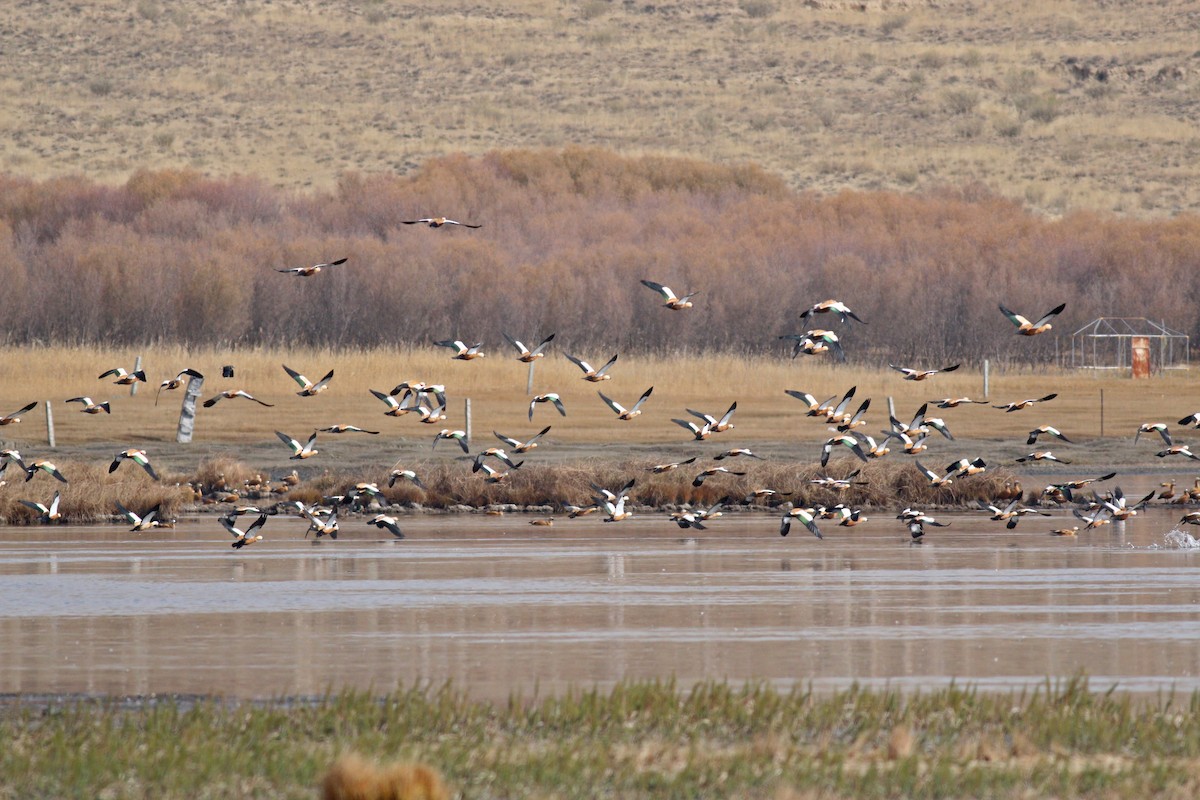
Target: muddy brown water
498	606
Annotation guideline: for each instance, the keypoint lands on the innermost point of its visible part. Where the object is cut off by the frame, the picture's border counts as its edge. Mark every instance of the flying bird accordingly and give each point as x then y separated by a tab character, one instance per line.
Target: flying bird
229	394
714	424
15	417
42	465
174	383
305	272
805	515
437	222
1021	404
845	440
815	342
408	474
307	387
1041	455
1047	430
708	473
346	429
832	307
590	374
673	301
517	446
526	355
389	524
620	410
463	351
922	374
125	378
48	513
933	478
144	522
1027	328
299	451
955	402
136	456
460	437
242	538
1154	427
659	469
549	397
89	407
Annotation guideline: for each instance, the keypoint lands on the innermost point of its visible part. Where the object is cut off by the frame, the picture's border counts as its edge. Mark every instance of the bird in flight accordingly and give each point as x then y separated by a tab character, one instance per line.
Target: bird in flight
620	410
307	387
346	429
136	456
1027	328
548	397
229	394
526	355
242	538
832	307
299	451
48	514
1020	404
10	419
462	351
174	383
921	374
672	301
437	222
89	407
589	373
305	272
125	378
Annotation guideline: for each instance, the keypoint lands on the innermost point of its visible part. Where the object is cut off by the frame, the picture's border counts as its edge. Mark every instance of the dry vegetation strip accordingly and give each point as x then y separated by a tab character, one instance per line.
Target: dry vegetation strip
1065	105
588	445
651	740
173	257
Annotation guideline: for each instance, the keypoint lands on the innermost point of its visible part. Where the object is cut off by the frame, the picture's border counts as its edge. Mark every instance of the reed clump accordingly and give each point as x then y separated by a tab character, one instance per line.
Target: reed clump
90	495
879	484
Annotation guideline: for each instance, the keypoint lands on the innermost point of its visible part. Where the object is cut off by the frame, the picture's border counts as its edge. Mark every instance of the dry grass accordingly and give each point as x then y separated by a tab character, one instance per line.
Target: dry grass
232	88
236	438
496	388
635	740
91	494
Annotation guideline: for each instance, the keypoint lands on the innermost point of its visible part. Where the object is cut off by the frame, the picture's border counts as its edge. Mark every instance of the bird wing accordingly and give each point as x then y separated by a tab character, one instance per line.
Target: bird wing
1013	317
613	404
1049	315
289	441
579	362
666	293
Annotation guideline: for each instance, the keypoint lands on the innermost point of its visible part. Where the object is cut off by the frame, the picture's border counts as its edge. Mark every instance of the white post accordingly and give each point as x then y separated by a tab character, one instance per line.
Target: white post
891	409
467	424
986	382
137	364
187	414
529	383
49	425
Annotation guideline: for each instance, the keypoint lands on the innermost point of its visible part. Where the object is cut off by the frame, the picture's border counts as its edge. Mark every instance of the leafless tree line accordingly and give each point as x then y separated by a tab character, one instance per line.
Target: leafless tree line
567	235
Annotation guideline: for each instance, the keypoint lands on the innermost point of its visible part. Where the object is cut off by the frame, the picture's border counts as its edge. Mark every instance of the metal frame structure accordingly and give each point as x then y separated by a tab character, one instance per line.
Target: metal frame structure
1105	343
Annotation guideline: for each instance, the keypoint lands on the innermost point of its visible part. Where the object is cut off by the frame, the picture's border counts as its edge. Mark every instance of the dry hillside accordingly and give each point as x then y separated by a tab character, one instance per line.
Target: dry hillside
1060	105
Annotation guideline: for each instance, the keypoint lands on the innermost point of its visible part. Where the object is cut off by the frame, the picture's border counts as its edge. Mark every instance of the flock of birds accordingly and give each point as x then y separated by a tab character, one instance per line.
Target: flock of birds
496	464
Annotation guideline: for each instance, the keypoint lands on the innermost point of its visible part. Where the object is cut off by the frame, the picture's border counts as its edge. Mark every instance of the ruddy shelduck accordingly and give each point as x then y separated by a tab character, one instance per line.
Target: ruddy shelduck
1027	328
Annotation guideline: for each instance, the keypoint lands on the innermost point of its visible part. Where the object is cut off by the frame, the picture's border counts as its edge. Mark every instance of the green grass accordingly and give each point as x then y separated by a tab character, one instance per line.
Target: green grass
647	739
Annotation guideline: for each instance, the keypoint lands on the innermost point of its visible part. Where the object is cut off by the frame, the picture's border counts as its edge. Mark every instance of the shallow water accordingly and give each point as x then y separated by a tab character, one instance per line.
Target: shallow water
498	606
